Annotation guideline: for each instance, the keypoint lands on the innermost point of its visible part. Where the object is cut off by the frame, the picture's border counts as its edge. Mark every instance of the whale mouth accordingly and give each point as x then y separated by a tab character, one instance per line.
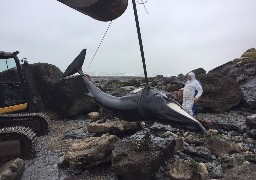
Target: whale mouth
179	110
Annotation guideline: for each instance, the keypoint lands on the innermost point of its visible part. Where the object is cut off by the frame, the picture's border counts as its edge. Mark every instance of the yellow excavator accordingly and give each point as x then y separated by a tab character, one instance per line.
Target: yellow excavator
18	127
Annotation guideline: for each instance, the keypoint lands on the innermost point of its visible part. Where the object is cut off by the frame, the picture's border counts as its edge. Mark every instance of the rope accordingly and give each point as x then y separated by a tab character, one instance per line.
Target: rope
142	2
100	43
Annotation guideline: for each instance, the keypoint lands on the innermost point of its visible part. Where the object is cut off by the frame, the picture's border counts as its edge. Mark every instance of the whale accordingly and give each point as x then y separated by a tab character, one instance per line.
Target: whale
148	104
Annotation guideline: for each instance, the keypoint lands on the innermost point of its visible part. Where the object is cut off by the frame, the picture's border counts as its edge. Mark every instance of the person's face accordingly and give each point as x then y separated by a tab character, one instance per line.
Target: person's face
189	77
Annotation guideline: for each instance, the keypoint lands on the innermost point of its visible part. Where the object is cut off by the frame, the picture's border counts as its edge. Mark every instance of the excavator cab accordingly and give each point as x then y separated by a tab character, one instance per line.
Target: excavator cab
12	84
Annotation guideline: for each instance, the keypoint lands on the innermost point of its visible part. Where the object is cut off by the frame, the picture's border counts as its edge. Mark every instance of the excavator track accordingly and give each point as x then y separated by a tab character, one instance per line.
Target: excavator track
16	142
38	122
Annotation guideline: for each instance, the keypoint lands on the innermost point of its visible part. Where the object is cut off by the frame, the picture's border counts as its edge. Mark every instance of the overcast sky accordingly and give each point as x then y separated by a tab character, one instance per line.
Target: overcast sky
178	35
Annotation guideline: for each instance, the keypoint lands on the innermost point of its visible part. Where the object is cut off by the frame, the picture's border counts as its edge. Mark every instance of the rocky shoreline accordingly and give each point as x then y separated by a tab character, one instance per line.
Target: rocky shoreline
85	143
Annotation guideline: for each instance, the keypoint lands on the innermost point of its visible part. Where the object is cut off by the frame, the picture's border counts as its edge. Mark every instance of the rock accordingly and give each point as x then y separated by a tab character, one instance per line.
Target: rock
202	169
183	170
249	90
76	134
141	155
42	78
250	53
90	152
179	144
12	170
243	70
219	147
229	161
114	126
199	71
242	172
213	131
199	153
220	93
251	121
94	116
69	98
252	133
231	121
217	172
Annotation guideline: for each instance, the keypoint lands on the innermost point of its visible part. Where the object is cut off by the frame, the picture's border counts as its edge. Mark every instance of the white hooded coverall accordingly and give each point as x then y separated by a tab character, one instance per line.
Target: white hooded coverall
189	93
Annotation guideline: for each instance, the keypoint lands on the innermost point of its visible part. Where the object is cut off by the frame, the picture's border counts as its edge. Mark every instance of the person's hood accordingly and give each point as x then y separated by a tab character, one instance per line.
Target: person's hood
193	76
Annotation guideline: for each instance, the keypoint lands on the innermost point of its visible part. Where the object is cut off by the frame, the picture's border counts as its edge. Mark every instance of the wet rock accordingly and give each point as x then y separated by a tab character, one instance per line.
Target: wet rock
113	126
230	161
69	98
232	121
243	70
249	90
183	170
252	133
196	139
199	153
141	155
12	170
242	172
220	93
217	172
76	134
219	147
251	121
42	78
90	152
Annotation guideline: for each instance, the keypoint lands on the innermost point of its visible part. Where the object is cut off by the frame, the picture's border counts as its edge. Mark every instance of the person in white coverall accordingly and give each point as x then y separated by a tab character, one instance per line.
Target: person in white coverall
189	97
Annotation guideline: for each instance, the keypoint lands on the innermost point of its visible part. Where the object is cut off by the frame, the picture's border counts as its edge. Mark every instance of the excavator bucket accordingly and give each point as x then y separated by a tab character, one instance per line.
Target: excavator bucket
102	10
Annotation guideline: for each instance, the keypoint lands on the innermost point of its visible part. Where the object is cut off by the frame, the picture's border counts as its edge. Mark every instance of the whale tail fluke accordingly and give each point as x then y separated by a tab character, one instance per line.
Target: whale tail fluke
76	65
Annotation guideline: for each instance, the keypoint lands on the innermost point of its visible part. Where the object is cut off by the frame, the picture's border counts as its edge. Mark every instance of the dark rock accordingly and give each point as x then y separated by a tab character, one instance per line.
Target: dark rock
230	161
243	70
252	133
140	156
199	71
76	134
220	93
198	153
223	121
217	172
242	172
249	90
69	98
251	121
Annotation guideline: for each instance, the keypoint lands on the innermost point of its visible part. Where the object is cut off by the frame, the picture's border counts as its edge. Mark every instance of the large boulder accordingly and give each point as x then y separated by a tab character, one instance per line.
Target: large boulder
42	78
69	98
90	152
243	172
49	91
220	93
140	156
243	70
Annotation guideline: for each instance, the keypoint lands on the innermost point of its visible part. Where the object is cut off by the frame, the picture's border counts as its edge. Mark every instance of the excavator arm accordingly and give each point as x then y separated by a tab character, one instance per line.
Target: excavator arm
102	10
